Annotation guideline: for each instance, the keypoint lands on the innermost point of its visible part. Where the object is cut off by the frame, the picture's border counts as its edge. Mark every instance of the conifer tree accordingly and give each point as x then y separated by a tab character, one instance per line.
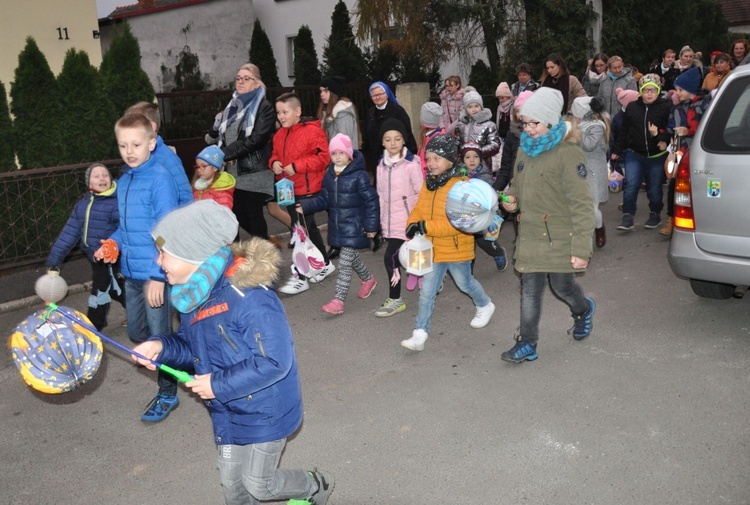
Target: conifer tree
341	55
7	154
125	81
261	55
36	109
87	110
187	76
306	71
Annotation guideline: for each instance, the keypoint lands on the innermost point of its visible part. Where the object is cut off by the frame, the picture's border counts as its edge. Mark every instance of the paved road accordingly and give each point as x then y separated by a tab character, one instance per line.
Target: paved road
651	409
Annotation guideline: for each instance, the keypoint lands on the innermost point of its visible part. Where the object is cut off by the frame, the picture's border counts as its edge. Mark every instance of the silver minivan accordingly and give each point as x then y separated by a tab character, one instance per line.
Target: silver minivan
711	240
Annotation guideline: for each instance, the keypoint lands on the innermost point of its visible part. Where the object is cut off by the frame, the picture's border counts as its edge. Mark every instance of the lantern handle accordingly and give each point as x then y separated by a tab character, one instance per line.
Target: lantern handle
180	375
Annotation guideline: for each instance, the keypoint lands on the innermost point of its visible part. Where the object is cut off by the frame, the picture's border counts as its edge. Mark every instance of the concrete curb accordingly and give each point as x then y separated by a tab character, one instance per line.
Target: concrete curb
34	300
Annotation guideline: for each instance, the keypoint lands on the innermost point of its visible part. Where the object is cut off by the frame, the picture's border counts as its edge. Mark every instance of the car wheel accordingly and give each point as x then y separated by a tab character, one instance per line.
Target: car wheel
714	290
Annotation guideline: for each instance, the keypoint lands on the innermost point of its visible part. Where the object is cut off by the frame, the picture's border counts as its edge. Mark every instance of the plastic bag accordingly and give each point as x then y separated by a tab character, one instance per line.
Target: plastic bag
307	259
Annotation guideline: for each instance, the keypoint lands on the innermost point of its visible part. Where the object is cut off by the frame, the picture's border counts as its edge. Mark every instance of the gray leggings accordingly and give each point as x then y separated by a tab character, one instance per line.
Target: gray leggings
349	259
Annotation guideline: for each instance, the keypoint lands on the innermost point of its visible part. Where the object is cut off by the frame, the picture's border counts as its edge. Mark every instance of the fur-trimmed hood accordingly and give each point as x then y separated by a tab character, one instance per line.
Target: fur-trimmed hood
257	264
341	106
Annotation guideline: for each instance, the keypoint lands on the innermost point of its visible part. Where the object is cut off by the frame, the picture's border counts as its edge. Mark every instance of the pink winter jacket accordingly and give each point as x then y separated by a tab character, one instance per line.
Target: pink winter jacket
398	190
453	106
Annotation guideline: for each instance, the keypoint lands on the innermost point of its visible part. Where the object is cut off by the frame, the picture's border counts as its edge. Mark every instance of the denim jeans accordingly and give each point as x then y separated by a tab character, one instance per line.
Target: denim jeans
461	272
144	321
532	293
250	474
637	169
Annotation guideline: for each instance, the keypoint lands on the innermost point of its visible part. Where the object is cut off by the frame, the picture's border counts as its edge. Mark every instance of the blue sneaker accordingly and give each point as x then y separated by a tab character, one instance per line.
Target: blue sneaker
160	407
501	261
522	351
583	323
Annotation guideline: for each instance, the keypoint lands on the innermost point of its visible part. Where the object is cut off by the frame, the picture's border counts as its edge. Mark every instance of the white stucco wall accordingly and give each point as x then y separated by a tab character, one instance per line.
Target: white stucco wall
219	33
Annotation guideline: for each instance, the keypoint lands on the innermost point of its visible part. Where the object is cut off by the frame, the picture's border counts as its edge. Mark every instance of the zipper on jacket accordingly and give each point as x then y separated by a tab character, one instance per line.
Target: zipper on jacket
390	171
545	218
335	199
86	217
645	130
229	340
261	347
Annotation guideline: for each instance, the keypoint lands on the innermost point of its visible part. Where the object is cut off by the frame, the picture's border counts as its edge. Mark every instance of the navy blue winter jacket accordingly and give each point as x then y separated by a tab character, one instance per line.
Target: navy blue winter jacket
95	217
144	195
241	337
352	203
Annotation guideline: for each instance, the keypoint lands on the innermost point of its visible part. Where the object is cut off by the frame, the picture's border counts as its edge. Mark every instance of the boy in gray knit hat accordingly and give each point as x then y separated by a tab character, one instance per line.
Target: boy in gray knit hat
235	338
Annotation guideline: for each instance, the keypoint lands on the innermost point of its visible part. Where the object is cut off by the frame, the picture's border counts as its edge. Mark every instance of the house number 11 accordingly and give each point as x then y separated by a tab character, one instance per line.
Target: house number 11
60	32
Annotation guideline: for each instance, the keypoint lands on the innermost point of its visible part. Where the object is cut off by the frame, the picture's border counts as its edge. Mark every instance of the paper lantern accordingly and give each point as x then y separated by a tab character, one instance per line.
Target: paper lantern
471	205
54	353
615	181
418	255
50	287
285	192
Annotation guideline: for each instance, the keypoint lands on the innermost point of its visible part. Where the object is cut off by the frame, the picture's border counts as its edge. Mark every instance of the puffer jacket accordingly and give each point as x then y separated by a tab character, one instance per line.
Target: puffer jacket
556	209
167	158
344	121
634	134
94	218
450	245
453	106
608	88
480	129
398	188
305	146
352	203
242	338
222	191
144	195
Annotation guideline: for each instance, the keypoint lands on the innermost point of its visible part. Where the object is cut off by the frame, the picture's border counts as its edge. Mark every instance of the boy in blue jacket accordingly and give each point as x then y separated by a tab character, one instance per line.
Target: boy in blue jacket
234	334
145	194
94	218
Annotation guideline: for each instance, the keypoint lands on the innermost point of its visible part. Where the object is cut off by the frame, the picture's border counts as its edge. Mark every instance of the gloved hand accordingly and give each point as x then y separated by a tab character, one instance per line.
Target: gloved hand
108	252
414	228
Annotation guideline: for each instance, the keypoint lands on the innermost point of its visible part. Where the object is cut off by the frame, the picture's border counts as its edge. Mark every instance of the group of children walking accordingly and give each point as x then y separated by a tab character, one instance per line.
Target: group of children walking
234	334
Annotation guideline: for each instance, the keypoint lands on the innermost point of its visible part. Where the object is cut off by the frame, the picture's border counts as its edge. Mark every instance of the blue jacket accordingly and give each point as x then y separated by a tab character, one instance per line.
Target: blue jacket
95	217
352	203
144	194
241	336
169	160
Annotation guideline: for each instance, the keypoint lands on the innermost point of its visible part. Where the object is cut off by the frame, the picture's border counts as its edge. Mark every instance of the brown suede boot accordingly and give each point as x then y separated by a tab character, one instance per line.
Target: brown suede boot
668	227
601	236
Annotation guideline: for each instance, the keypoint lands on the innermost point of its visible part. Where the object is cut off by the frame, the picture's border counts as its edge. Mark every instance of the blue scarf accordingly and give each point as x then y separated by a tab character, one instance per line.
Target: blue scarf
535	147
187	297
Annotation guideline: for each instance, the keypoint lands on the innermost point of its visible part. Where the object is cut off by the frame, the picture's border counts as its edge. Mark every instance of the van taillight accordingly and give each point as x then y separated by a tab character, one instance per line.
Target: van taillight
683	206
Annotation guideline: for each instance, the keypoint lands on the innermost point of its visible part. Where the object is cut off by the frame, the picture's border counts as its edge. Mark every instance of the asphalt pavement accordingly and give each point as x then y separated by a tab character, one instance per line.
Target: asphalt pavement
651	409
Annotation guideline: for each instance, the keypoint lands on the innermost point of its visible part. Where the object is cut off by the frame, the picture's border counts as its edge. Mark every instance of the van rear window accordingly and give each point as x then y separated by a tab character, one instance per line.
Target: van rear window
728	128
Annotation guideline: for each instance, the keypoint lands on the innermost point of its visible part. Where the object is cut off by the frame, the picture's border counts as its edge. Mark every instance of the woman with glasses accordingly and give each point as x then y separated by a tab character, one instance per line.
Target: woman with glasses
244	132
596	72
385	106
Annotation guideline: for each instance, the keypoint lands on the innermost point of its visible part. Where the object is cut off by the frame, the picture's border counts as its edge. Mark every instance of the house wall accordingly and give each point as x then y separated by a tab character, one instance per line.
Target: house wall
218	32
41	20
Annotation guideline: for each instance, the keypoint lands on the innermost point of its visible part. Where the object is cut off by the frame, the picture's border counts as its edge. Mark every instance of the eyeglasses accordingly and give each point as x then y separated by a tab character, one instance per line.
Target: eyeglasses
378	95
649	89
533	124
241	78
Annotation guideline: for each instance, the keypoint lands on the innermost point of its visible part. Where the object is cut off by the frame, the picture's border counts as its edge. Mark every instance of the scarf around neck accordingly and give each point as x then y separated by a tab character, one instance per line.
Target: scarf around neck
244	106
535	147
187	297
435	182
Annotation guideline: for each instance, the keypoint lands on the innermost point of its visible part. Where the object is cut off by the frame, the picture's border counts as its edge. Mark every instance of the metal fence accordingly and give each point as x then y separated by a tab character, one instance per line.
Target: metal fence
34	206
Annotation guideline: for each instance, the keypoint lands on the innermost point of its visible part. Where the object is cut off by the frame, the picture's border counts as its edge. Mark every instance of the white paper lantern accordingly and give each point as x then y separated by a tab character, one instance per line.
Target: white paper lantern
50	287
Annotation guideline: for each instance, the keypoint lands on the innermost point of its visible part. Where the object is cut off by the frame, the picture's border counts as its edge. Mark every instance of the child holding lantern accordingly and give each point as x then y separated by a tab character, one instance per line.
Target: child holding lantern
453	249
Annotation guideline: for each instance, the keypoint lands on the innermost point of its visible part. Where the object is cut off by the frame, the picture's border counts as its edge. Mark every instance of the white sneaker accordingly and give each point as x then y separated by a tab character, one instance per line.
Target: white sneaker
416	342
483	316
327	270
294	285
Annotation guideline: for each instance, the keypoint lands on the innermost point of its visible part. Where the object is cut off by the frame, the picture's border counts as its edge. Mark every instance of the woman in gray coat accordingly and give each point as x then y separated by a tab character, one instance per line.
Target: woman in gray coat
589	118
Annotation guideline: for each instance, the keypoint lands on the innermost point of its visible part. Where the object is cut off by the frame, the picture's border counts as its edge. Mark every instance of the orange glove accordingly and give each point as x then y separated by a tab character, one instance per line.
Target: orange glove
109	251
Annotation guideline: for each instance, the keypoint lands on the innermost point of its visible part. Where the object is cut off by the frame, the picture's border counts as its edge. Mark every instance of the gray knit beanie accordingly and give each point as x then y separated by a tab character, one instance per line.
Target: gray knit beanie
195	232
430	115
87	174
544	106
472	97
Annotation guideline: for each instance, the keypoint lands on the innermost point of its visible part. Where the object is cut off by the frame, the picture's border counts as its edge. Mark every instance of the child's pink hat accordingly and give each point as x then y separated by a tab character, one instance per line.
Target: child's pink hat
626	96
503	90
343	143
521	98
